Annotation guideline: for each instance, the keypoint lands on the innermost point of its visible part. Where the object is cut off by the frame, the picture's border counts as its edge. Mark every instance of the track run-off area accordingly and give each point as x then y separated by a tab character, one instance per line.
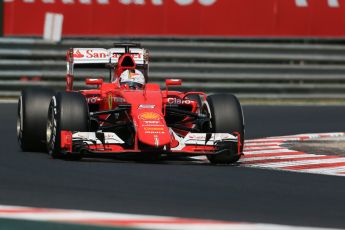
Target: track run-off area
250	195
270	153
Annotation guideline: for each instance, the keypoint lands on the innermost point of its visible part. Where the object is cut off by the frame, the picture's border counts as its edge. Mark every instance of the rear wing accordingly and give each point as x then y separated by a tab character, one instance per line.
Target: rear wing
79	56
96	57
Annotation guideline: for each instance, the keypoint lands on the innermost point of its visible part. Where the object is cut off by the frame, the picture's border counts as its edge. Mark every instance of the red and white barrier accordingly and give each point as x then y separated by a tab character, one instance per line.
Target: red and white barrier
53	27
245	18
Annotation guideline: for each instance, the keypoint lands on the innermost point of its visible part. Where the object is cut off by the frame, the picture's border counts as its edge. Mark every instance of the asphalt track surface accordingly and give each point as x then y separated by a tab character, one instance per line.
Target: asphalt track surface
183	189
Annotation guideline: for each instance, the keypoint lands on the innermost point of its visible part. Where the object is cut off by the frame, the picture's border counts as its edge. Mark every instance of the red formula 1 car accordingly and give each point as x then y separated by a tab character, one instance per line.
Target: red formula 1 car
127	116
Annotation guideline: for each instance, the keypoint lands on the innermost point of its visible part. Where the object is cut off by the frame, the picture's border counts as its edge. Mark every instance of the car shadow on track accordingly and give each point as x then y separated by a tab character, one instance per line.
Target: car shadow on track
177	161
202	161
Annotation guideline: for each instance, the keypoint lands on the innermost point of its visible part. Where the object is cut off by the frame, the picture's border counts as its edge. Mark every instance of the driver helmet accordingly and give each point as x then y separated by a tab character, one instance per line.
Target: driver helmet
133	79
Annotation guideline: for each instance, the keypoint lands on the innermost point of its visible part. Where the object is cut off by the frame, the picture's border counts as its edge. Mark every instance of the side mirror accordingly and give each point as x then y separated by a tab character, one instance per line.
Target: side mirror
94	81
173	82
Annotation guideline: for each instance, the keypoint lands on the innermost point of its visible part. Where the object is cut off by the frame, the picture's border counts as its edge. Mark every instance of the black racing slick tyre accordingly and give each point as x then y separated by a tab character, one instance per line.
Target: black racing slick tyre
226	117
67	111
32	118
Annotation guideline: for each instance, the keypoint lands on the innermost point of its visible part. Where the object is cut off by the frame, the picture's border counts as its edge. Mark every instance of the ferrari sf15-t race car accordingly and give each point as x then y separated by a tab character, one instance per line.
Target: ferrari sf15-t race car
126	116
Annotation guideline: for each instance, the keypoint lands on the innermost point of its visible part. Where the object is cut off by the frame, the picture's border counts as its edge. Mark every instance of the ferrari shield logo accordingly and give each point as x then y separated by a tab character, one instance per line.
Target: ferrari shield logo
110	101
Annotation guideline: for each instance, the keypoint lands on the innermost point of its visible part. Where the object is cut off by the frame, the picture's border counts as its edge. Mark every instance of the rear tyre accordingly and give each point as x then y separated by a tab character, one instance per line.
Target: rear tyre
32	118
226	117
67	111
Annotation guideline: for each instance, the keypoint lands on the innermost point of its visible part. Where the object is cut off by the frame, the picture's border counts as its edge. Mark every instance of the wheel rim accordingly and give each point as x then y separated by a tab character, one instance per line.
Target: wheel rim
20	121
51	129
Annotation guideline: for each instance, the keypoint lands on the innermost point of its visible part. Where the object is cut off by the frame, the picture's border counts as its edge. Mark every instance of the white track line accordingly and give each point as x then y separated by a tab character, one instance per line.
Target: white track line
132	220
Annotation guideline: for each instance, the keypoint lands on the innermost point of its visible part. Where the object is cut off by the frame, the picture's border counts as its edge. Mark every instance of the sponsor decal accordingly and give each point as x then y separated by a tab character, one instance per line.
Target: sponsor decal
154	132
178	101
77	54
146	106
92	137
92	100
200	138
118	99
153	128
134	56
92	54
214	136
149	116
154	123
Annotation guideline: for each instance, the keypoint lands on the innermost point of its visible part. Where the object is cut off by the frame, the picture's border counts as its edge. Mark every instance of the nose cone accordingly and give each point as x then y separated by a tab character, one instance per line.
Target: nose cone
148	118
152	129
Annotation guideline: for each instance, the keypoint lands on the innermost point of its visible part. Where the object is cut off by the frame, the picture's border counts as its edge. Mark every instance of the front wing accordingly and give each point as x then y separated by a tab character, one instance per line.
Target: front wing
108	144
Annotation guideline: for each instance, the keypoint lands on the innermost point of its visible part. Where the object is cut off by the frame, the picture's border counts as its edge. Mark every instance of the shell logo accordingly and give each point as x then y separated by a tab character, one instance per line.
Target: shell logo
149	116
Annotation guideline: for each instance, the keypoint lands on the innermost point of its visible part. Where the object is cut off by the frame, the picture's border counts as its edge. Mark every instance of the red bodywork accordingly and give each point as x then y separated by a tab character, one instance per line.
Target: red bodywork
147	113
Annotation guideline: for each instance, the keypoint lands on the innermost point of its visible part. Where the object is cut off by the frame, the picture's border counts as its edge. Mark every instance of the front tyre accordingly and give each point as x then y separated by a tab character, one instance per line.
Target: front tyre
226	117
67	111
32	112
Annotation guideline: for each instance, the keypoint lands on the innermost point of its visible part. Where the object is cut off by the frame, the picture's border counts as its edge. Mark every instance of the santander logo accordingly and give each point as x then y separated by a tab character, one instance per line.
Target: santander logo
90	54
77	54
